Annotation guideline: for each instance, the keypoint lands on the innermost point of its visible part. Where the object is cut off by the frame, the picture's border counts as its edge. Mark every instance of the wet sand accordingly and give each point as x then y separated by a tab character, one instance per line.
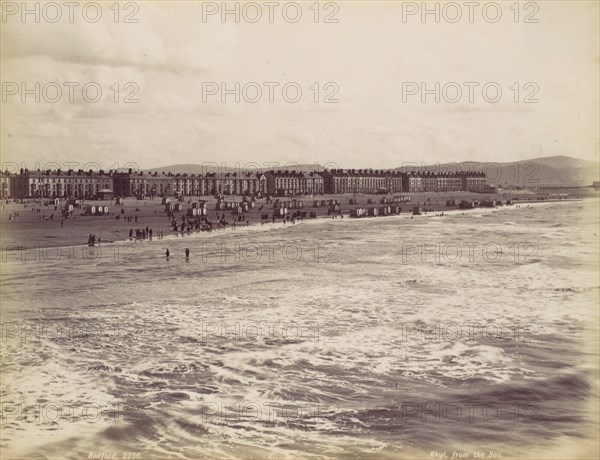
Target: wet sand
33	227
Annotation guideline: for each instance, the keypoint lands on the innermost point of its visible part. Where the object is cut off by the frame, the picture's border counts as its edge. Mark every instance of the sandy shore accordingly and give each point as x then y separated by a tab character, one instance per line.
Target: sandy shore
35	227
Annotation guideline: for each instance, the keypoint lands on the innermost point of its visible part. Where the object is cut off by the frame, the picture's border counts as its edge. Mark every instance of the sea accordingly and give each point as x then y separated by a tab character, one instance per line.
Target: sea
468	335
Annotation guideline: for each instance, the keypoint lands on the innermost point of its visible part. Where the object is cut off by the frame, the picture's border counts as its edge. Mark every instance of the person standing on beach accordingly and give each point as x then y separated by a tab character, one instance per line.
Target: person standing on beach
187	253
167	253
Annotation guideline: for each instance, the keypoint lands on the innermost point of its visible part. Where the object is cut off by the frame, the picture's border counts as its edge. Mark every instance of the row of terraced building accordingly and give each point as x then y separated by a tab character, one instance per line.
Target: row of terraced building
89	184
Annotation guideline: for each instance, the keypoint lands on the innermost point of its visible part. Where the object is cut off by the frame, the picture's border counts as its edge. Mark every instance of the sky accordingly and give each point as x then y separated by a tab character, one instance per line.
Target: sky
368	75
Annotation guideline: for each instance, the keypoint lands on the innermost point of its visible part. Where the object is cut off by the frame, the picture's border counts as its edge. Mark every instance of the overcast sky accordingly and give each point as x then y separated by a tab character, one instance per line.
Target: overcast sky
369	56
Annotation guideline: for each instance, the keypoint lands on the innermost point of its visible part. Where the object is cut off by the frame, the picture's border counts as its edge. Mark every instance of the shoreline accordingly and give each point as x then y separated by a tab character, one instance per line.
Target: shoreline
6	245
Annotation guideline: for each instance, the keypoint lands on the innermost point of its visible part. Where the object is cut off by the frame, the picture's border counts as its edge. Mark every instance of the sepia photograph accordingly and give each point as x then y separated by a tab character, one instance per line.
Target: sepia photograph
327	230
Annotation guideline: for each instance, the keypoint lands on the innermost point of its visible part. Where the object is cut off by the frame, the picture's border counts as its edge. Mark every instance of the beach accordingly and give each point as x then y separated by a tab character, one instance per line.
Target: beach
34	227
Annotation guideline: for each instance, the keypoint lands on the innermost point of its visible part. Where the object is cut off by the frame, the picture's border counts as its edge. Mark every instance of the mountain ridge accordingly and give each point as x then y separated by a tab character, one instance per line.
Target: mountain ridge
559	170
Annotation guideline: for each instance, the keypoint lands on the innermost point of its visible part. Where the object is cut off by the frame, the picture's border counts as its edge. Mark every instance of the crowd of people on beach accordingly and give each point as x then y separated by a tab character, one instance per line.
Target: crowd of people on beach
143	233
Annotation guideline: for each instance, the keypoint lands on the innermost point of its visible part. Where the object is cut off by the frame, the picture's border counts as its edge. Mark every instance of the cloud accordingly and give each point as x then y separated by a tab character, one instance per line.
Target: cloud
170	52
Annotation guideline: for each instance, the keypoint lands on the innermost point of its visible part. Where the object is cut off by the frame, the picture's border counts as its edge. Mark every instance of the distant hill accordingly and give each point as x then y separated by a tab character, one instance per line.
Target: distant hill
546	171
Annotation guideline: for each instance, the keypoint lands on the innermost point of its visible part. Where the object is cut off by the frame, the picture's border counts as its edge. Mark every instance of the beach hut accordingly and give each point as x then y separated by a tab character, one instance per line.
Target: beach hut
178	207
450	202
487	204
373	212
165	200
466	204
416	210
358	212
316	203
192	212
281	212
168	207
118	200
352	201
